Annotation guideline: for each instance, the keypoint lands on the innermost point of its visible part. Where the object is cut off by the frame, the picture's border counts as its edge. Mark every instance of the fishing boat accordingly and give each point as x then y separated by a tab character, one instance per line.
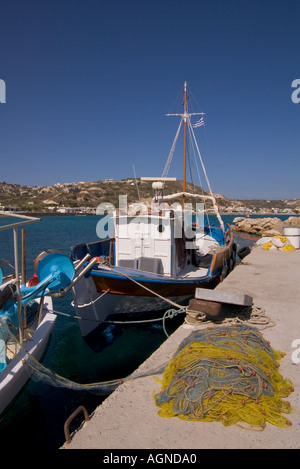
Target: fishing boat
26	307
155	255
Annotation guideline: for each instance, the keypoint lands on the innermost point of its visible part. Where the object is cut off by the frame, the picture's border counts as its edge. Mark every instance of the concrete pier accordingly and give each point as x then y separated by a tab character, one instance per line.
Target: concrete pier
128	418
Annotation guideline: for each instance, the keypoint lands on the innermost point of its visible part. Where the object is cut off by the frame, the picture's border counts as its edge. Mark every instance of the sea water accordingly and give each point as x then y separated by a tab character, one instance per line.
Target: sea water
38	414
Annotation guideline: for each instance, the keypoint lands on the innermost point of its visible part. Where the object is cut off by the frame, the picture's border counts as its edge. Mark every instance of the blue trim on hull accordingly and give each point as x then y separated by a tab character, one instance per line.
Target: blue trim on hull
152	278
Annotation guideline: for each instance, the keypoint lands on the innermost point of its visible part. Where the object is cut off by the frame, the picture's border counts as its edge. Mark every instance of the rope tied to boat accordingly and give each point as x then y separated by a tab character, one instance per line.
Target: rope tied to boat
152	291
91	303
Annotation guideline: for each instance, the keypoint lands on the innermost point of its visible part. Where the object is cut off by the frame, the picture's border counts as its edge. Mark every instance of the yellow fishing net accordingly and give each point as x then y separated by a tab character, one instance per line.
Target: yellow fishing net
280	242
227	374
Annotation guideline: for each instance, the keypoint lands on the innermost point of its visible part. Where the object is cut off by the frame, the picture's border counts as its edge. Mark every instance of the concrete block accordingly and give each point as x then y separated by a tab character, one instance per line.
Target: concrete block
223	297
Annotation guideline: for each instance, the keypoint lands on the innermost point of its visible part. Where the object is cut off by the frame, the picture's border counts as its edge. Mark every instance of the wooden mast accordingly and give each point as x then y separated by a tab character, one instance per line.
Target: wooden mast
185	117
184	146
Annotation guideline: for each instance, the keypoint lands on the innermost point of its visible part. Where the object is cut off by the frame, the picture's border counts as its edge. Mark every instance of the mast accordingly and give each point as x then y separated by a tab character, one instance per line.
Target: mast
184	147
185	117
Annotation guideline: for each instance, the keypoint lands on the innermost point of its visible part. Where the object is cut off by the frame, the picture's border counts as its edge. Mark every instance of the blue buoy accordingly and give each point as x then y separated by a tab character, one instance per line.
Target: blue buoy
1	275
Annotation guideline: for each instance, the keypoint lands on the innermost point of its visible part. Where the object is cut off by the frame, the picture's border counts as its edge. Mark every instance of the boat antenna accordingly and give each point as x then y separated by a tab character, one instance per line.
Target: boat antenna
137	187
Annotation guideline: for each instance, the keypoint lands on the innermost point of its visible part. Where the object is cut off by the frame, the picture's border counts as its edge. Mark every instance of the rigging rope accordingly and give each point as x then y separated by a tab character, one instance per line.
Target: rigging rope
169	160
193	141
207	180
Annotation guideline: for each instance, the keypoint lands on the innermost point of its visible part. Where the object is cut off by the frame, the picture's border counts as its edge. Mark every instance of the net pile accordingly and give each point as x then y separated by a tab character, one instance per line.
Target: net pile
227	374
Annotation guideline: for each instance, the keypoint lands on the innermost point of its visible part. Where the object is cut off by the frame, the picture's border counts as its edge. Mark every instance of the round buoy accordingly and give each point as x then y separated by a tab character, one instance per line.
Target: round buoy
60	266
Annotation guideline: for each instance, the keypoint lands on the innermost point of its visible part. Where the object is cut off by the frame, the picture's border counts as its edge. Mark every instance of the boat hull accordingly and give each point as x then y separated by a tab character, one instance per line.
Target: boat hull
16	374
146	288
103	296
95	307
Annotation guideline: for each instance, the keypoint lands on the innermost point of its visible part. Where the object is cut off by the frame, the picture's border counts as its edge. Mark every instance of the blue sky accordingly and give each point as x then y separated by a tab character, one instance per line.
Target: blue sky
88	84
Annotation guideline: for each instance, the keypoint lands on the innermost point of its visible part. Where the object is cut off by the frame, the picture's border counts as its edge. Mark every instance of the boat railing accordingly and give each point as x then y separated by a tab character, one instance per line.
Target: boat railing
26	220
20	274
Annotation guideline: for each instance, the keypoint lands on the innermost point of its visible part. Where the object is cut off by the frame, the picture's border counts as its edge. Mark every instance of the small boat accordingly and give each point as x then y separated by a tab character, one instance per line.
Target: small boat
153	256
26	317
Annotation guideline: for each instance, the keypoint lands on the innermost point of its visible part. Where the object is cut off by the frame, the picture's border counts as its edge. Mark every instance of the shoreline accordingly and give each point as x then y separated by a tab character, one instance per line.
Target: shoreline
58	214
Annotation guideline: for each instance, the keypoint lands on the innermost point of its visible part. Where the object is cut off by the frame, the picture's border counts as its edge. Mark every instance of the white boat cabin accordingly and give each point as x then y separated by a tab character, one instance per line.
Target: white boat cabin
151	243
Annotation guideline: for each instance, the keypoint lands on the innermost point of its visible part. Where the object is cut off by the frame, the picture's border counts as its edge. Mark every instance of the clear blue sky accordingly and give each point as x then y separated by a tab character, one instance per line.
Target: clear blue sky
88	84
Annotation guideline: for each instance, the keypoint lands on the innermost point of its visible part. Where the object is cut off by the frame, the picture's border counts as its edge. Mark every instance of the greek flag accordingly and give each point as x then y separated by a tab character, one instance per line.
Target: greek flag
199	122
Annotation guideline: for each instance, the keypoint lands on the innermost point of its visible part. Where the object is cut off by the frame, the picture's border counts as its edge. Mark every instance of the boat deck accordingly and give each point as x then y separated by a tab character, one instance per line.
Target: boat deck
193	272
190	271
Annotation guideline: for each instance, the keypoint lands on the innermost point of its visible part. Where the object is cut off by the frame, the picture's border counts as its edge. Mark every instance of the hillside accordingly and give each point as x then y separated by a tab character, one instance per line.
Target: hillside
89	194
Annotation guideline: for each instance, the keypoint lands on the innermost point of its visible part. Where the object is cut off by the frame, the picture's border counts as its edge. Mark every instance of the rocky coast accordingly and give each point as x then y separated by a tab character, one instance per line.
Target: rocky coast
269	226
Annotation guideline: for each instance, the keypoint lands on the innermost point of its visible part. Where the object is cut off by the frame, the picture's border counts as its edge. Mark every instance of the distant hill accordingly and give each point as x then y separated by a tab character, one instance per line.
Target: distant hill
90	194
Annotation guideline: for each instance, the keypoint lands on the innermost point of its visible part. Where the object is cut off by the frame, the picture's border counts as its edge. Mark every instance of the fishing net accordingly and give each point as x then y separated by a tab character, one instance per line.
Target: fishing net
226	374
38	372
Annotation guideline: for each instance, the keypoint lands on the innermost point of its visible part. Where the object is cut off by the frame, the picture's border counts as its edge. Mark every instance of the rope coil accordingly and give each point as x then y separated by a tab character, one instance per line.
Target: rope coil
253	315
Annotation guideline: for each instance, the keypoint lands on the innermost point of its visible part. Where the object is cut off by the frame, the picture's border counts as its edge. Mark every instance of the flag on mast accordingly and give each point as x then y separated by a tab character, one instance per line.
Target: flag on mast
198	123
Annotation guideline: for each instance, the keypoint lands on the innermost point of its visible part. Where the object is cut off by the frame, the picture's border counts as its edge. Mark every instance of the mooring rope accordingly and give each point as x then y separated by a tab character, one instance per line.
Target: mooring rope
152	291
83	305
138	283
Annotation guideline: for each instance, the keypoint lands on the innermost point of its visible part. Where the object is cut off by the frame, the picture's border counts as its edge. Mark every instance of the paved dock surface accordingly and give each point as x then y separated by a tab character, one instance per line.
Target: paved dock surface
128	418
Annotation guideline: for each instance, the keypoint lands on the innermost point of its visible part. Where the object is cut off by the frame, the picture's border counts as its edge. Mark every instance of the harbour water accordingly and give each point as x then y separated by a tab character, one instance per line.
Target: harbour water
38	414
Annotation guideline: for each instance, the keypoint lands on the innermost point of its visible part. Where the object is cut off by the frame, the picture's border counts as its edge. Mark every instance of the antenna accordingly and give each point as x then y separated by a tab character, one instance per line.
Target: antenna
137	187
